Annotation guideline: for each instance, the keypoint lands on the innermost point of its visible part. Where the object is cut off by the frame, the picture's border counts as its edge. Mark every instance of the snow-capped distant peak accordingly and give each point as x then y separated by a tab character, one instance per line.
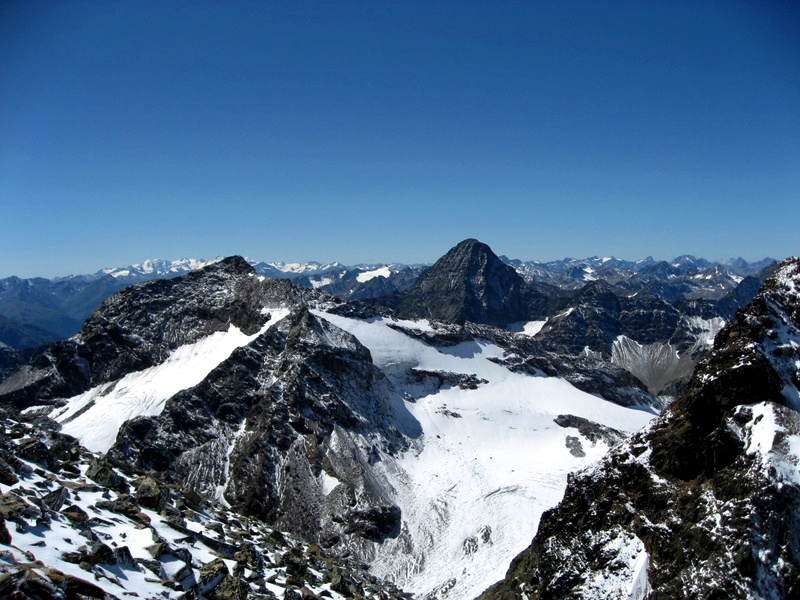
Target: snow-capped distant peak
159	267
308	267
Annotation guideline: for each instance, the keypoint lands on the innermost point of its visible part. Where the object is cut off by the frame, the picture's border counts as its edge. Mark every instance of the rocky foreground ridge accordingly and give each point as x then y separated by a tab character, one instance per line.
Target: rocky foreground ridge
72	526
703	503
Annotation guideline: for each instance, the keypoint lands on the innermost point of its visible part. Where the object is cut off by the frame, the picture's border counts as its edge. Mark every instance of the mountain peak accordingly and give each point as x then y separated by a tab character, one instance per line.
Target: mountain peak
233	264
469	283
467	250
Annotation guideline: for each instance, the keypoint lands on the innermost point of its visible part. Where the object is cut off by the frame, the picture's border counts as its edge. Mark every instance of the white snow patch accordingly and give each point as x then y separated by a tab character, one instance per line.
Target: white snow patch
765	429
367	275
220	489
529	328
640	586
329	483
321	281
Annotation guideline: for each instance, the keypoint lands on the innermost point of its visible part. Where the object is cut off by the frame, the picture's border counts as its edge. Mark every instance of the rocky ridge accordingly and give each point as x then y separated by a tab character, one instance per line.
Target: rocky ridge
305	422
301	402
139	326
705	501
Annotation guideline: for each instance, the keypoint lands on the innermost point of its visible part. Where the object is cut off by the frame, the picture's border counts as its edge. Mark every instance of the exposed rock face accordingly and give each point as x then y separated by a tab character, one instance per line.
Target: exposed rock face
738	297
591	320
597	316
349	287
703	503
301	404
657	340
470	283
656	320
139	326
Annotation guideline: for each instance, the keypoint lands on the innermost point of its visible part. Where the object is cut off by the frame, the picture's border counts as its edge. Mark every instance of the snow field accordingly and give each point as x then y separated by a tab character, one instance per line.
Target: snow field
489	463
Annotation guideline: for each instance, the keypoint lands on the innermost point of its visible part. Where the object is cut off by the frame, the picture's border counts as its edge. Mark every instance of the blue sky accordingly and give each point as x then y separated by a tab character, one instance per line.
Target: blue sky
389	131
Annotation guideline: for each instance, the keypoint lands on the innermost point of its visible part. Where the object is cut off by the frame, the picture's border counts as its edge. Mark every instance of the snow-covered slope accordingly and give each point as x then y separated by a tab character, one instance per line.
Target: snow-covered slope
490	460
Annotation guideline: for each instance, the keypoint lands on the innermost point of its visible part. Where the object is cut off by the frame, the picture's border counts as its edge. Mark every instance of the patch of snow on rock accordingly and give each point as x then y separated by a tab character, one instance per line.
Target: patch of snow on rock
95	416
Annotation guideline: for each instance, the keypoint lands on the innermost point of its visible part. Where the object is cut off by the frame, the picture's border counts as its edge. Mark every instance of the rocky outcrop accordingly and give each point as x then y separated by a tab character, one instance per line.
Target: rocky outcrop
740	296
657	340
591	320
704	502
349	287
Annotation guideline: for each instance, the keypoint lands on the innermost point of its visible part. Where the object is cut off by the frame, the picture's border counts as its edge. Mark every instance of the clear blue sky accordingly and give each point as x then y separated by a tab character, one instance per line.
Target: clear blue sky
389	131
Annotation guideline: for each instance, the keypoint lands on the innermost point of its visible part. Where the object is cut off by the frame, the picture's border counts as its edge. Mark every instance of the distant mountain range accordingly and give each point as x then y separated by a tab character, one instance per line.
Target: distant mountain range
37	311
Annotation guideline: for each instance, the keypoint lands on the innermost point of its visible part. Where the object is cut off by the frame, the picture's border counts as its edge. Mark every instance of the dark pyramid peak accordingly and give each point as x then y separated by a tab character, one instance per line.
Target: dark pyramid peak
469	283
470	256
469	243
